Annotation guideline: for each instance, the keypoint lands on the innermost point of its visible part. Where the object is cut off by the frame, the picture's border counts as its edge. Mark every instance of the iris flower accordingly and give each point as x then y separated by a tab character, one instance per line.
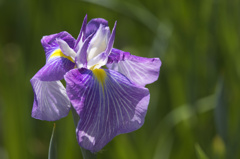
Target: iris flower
108	101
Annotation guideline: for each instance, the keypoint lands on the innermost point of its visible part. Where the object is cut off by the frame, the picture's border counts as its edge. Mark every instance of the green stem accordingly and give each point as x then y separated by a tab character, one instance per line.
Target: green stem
85	153
52	152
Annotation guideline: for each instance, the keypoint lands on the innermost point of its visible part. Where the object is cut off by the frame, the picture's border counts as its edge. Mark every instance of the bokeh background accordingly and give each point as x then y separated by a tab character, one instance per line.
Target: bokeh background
194	110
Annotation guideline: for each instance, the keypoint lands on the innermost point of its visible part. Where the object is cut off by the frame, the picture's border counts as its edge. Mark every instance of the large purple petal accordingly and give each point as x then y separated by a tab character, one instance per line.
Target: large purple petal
140	70
50	100
108	105
50	44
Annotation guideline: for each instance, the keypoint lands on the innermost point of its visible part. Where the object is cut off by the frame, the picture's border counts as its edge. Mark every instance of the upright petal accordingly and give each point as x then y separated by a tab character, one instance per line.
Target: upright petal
108	105
140	70
111	40
94	24
50	44
50	100
98	43
96	53
81	36
81	57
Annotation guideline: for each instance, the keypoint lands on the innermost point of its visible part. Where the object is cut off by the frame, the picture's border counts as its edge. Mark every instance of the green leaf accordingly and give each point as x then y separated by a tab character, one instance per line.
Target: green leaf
164	146
221	111
52	146
200	153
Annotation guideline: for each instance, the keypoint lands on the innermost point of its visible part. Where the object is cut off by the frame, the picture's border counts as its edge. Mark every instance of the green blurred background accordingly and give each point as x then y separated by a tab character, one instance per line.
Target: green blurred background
194	109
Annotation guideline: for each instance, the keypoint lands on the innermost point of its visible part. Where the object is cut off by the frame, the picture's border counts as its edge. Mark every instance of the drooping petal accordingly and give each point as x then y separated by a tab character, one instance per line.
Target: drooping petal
94	24
140	70
57	63
108	105
50	44
55	68
50	100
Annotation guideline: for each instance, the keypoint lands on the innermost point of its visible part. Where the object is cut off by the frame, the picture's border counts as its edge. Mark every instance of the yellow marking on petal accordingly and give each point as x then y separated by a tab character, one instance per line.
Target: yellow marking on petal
58	53
101	75
93	67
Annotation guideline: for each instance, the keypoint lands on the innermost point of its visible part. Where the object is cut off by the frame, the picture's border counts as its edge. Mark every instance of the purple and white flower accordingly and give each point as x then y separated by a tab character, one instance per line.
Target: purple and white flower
109	101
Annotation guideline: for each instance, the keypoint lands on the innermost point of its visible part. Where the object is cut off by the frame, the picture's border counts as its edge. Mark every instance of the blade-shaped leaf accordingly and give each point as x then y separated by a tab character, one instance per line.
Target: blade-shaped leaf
200	153
221	111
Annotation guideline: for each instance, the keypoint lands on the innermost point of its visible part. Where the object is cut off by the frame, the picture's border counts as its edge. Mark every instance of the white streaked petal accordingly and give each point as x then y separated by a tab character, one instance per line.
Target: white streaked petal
140	70
50	100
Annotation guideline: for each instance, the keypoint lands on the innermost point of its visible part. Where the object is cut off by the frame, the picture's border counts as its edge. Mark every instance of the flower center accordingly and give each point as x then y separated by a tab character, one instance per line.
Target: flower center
100	75
97	47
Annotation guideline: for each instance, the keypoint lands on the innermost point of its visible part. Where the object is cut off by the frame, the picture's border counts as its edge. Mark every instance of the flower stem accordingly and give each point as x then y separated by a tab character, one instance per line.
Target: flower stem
52	152
85	153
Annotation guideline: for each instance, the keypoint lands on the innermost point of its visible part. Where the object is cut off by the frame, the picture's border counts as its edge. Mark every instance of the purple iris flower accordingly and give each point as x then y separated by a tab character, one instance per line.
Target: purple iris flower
109	101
